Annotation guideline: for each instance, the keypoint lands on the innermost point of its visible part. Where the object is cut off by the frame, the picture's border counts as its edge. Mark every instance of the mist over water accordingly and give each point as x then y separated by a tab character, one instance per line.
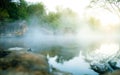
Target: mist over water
71	34
68	51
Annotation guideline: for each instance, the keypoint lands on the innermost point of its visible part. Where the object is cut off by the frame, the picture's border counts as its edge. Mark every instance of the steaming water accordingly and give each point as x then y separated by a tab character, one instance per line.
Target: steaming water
66	53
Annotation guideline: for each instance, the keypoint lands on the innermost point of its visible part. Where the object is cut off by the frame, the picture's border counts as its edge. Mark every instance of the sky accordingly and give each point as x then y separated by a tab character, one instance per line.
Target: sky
75	5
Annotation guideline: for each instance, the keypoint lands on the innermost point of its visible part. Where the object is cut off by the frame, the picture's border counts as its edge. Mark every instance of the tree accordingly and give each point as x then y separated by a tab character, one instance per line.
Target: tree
3	9
4	3
13	10
111	5
68	20
3	14
36	9
53	20
22	10
62	19
94	22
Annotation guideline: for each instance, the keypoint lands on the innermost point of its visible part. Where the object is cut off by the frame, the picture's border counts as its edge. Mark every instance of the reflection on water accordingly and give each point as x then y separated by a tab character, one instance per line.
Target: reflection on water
6	43
70	54
105	52
76	65
108	49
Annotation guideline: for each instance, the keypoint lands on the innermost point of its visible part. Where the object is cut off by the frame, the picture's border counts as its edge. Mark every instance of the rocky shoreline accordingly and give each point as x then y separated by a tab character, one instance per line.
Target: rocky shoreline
24	62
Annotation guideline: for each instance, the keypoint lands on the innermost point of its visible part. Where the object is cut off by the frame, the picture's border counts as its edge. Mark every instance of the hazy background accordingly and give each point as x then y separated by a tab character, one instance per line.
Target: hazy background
63	30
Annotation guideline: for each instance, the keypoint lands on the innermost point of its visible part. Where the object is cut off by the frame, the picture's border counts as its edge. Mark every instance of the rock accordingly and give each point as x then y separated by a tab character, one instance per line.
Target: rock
113	65
29	49
109	68
24	63
99	68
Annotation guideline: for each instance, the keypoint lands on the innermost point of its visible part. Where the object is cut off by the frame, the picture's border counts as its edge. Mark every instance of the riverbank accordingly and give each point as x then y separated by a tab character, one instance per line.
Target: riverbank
24	62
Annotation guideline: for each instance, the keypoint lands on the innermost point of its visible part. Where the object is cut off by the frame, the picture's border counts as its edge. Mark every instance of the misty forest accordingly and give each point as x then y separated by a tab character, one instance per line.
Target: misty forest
59	37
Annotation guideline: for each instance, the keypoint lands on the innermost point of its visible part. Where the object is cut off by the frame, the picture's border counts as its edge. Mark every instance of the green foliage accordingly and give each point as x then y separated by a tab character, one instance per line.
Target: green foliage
36	9
68	20
22	10
53	19
13	10
3	9
95	23
63	18
3	14
4	3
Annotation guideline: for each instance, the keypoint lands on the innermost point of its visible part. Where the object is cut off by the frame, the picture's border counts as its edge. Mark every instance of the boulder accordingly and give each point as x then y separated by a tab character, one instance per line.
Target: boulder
109	68
99	68
24	63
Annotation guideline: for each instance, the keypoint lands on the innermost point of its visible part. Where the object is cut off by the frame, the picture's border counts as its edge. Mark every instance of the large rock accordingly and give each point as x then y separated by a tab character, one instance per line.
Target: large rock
23	63
109	68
